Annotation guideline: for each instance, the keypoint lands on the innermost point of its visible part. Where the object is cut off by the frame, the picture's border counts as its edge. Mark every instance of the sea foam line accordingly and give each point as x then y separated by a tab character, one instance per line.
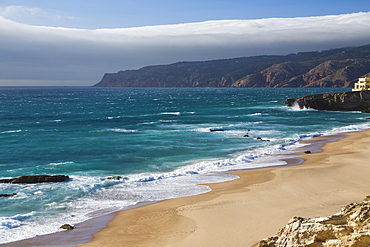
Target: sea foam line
10	131
105	195
171	113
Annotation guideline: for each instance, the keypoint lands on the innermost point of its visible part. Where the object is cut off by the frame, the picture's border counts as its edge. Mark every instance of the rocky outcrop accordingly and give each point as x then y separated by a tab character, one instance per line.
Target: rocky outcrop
343	101
7	195
35	179
330	68
67	227
349	227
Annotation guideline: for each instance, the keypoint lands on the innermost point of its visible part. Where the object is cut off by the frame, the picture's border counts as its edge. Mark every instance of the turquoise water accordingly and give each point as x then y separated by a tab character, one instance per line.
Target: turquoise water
157	140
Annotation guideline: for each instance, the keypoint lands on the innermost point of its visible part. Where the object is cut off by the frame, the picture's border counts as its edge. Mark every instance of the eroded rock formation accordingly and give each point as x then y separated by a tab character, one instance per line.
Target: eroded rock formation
343	101
350	227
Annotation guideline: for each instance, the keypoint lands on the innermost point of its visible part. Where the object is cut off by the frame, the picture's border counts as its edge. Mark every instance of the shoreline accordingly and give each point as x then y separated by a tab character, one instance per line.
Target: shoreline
175	222
255	206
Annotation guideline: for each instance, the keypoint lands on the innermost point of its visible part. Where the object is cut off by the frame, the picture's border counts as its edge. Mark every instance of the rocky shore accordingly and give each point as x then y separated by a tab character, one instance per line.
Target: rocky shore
343	101
349	227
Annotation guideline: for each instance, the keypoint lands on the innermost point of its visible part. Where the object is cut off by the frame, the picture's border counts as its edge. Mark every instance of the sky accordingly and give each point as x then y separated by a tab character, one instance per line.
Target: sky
73	43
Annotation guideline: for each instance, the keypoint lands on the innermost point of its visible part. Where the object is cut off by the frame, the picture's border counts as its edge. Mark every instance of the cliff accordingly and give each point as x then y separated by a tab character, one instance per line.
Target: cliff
349	227
343	101
331	68
331	73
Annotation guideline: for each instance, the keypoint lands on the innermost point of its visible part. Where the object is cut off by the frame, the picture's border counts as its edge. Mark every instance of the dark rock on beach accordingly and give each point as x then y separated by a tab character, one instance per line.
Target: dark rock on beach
35	179
343	101
67	227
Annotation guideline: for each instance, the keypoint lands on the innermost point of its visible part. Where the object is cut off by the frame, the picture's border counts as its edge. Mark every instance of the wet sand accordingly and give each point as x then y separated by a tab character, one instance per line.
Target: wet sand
243	211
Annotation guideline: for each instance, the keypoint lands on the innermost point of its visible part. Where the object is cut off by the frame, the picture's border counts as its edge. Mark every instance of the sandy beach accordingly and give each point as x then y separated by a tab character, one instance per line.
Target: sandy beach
239	212
243	211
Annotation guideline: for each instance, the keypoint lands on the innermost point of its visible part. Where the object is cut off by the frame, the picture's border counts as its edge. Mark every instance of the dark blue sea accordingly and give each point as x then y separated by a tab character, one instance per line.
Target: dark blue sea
157	142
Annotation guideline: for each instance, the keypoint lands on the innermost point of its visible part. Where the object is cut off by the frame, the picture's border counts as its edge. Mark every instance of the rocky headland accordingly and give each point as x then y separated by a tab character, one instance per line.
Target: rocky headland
331	68
343	101
350	227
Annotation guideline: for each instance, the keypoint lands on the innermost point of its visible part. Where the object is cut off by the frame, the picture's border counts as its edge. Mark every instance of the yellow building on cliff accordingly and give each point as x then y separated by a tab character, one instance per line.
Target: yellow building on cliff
362	84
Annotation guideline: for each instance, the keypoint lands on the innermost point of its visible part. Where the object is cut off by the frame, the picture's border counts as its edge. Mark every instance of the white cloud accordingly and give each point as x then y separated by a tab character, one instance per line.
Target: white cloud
27	14
79	54
16	11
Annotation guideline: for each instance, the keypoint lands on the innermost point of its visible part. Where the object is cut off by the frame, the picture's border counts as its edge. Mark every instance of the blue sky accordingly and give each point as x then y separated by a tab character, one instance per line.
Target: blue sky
75	42
93	14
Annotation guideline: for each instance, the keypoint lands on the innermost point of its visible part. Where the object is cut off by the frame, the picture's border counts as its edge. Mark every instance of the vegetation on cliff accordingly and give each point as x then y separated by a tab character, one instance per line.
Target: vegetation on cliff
330	68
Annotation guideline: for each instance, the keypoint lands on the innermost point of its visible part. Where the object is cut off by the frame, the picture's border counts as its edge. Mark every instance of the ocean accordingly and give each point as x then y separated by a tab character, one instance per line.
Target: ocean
156	143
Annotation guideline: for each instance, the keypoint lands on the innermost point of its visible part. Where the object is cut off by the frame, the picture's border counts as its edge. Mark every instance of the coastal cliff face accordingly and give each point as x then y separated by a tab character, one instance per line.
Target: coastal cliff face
331	73
343	101
331	68
349	227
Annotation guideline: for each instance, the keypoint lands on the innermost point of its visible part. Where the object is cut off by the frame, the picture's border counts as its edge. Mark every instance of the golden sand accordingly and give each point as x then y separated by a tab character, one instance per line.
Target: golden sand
243	211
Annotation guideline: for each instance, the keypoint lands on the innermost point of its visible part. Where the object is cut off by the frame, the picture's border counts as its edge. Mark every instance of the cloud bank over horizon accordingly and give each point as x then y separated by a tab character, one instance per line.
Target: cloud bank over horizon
38	55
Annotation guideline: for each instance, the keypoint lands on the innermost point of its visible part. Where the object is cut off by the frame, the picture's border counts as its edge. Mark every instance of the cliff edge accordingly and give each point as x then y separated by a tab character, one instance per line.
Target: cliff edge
343	101
331	68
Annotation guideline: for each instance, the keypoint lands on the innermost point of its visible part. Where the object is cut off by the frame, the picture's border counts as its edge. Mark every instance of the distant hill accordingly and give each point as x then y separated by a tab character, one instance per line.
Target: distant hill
330	68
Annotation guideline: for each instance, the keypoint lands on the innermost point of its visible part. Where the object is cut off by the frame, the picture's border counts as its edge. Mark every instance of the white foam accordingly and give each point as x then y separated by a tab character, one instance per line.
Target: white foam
296	107
123	130
171	113
7	223
167	121
103	198
148	123
10	131
203	130
61	163
13	222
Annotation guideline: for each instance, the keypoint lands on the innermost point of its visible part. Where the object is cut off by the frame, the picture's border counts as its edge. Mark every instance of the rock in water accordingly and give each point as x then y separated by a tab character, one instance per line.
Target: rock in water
35	179
215	130
343	101
349	227
7	195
